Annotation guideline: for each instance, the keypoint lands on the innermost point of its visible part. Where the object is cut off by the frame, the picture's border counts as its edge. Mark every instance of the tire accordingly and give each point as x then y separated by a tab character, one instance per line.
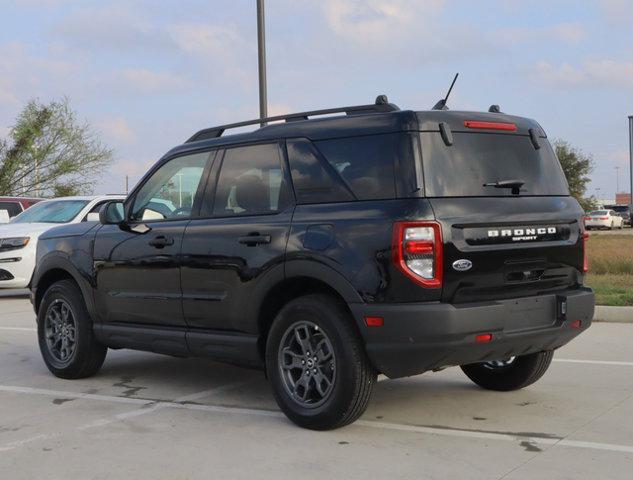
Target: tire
611	227
521	372
66	354
344	390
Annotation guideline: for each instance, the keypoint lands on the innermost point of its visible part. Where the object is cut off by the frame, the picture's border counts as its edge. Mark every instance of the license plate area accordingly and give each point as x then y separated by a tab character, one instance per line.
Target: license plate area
531	313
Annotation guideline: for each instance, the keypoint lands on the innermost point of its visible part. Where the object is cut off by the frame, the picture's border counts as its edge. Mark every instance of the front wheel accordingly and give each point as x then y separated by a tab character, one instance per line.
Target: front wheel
65	335
509	374
320	374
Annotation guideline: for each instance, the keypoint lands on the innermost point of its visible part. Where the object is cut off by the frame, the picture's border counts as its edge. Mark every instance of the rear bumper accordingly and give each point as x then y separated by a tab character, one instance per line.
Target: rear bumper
597	223
420	337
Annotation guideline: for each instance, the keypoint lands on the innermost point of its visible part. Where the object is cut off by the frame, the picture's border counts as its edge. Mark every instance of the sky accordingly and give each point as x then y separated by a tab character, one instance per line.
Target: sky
148	74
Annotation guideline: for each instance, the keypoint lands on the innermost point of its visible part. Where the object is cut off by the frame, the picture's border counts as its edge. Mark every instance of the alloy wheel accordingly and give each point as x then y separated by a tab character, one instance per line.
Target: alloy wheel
60	327
307	364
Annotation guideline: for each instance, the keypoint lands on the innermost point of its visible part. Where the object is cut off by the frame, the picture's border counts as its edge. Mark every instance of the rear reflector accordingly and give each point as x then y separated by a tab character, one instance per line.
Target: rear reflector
483	338
508	127
575	324
374	321
585	261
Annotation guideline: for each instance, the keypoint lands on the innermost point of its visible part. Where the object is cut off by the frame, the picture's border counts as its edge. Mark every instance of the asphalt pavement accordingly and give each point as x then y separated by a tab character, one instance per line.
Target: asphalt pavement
158	417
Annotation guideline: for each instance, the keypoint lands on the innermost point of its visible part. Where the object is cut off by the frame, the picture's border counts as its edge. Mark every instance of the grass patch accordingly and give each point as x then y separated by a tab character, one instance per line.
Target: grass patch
610	254
611	269
612	290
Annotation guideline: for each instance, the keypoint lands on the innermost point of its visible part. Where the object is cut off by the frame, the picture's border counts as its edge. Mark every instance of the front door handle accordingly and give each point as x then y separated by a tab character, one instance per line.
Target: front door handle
161	242
253	239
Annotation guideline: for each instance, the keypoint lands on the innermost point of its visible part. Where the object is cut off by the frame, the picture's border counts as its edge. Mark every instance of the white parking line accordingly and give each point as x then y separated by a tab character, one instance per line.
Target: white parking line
508	437
594	362
19	329
160	405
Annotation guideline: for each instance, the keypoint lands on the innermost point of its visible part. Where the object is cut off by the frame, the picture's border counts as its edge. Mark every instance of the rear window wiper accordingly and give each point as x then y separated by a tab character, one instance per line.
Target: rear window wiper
515	185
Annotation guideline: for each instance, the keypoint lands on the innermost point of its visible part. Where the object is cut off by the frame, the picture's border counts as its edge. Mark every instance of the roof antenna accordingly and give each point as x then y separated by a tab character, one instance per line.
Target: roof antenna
441	105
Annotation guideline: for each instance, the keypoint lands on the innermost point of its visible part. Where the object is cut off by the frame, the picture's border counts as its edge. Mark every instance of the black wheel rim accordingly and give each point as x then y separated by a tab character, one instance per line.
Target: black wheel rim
500	364
307	364
60	328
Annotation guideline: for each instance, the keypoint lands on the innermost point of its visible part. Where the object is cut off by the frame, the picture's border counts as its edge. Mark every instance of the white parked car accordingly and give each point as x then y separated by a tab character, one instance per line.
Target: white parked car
603	219
18	238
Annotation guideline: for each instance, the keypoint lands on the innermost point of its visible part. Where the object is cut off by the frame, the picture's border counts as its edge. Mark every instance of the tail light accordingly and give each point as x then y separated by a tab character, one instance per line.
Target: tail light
417	252
603	218
585	262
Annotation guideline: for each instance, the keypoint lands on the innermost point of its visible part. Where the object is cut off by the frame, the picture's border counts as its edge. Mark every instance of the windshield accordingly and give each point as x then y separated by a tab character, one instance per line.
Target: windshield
60	211
476	159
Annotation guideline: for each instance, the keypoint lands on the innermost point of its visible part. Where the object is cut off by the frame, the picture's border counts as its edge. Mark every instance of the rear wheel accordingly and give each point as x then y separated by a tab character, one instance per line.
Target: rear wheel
509	374
65	335
317	365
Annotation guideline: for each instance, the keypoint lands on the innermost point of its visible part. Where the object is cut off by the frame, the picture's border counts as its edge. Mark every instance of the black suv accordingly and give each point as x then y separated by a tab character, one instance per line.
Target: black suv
328	250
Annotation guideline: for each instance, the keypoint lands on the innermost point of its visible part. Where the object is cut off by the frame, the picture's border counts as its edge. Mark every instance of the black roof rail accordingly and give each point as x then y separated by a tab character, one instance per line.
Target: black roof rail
382	105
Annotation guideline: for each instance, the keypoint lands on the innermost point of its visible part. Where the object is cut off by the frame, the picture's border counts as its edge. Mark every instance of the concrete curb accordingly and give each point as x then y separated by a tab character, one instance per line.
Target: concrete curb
613	314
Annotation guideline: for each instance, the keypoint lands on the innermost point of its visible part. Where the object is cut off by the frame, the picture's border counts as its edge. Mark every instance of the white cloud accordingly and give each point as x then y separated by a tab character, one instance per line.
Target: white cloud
213	42
618	11
117	129
110	28
148	81
590	73
371	21
563	32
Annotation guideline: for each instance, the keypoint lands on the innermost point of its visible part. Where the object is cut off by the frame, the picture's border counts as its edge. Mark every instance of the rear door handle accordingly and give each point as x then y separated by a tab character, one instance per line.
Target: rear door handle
161	242
253	239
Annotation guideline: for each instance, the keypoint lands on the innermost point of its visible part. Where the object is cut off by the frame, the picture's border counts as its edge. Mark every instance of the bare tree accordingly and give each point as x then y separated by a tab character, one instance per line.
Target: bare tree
49	151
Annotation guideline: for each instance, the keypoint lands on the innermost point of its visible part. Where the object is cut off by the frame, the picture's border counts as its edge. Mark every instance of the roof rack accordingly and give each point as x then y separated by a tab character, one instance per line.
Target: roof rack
381	105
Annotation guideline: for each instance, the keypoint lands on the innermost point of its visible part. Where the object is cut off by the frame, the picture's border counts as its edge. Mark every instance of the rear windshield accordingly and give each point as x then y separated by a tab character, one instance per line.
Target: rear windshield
475	159
599	212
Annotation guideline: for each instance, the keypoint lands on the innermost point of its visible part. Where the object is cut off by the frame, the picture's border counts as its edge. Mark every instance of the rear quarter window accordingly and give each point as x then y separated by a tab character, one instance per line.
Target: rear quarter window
373	166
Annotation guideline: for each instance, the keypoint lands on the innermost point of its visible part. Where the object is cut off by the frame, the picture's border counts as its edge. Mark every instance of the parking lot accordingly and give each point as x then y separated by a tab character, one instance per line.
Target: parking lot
152	416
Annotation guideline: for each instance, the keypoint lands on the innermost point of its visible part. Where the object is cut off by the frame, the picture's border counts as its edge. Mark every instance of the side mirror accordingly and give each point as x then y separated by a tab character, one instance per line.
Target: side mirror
111	213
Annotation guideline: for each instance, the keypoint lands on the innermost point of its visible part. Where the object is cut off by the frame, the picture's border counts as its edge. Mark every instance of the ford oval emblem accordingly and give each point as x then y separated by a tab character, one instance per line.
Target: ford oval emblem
462	265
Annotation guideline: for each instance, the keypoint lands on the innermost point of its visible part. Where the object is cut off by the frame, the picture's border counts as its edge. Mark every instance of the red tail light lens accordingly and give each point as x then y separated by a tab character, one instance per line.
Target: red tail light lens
508	127
585	262
418	253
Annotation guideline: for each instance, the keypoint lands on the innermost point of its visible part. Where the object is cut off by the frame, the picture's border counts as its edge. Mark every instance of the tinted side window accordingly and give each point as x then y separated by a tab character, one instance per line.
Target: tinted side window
170	192
312	181
251	181
13	208
366	164
94	209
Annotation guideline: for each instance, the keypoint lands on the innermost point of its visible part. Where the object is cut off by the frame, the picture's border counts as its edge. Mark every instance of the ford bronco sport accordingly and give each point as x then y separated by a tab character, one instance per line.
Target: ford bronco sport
327	249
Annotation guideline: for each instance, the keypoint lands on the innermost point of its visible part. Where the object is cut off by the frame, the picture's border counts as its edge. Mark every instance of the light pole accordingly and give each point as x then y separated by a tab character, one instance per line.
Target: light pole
617	180
261	61
631	155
